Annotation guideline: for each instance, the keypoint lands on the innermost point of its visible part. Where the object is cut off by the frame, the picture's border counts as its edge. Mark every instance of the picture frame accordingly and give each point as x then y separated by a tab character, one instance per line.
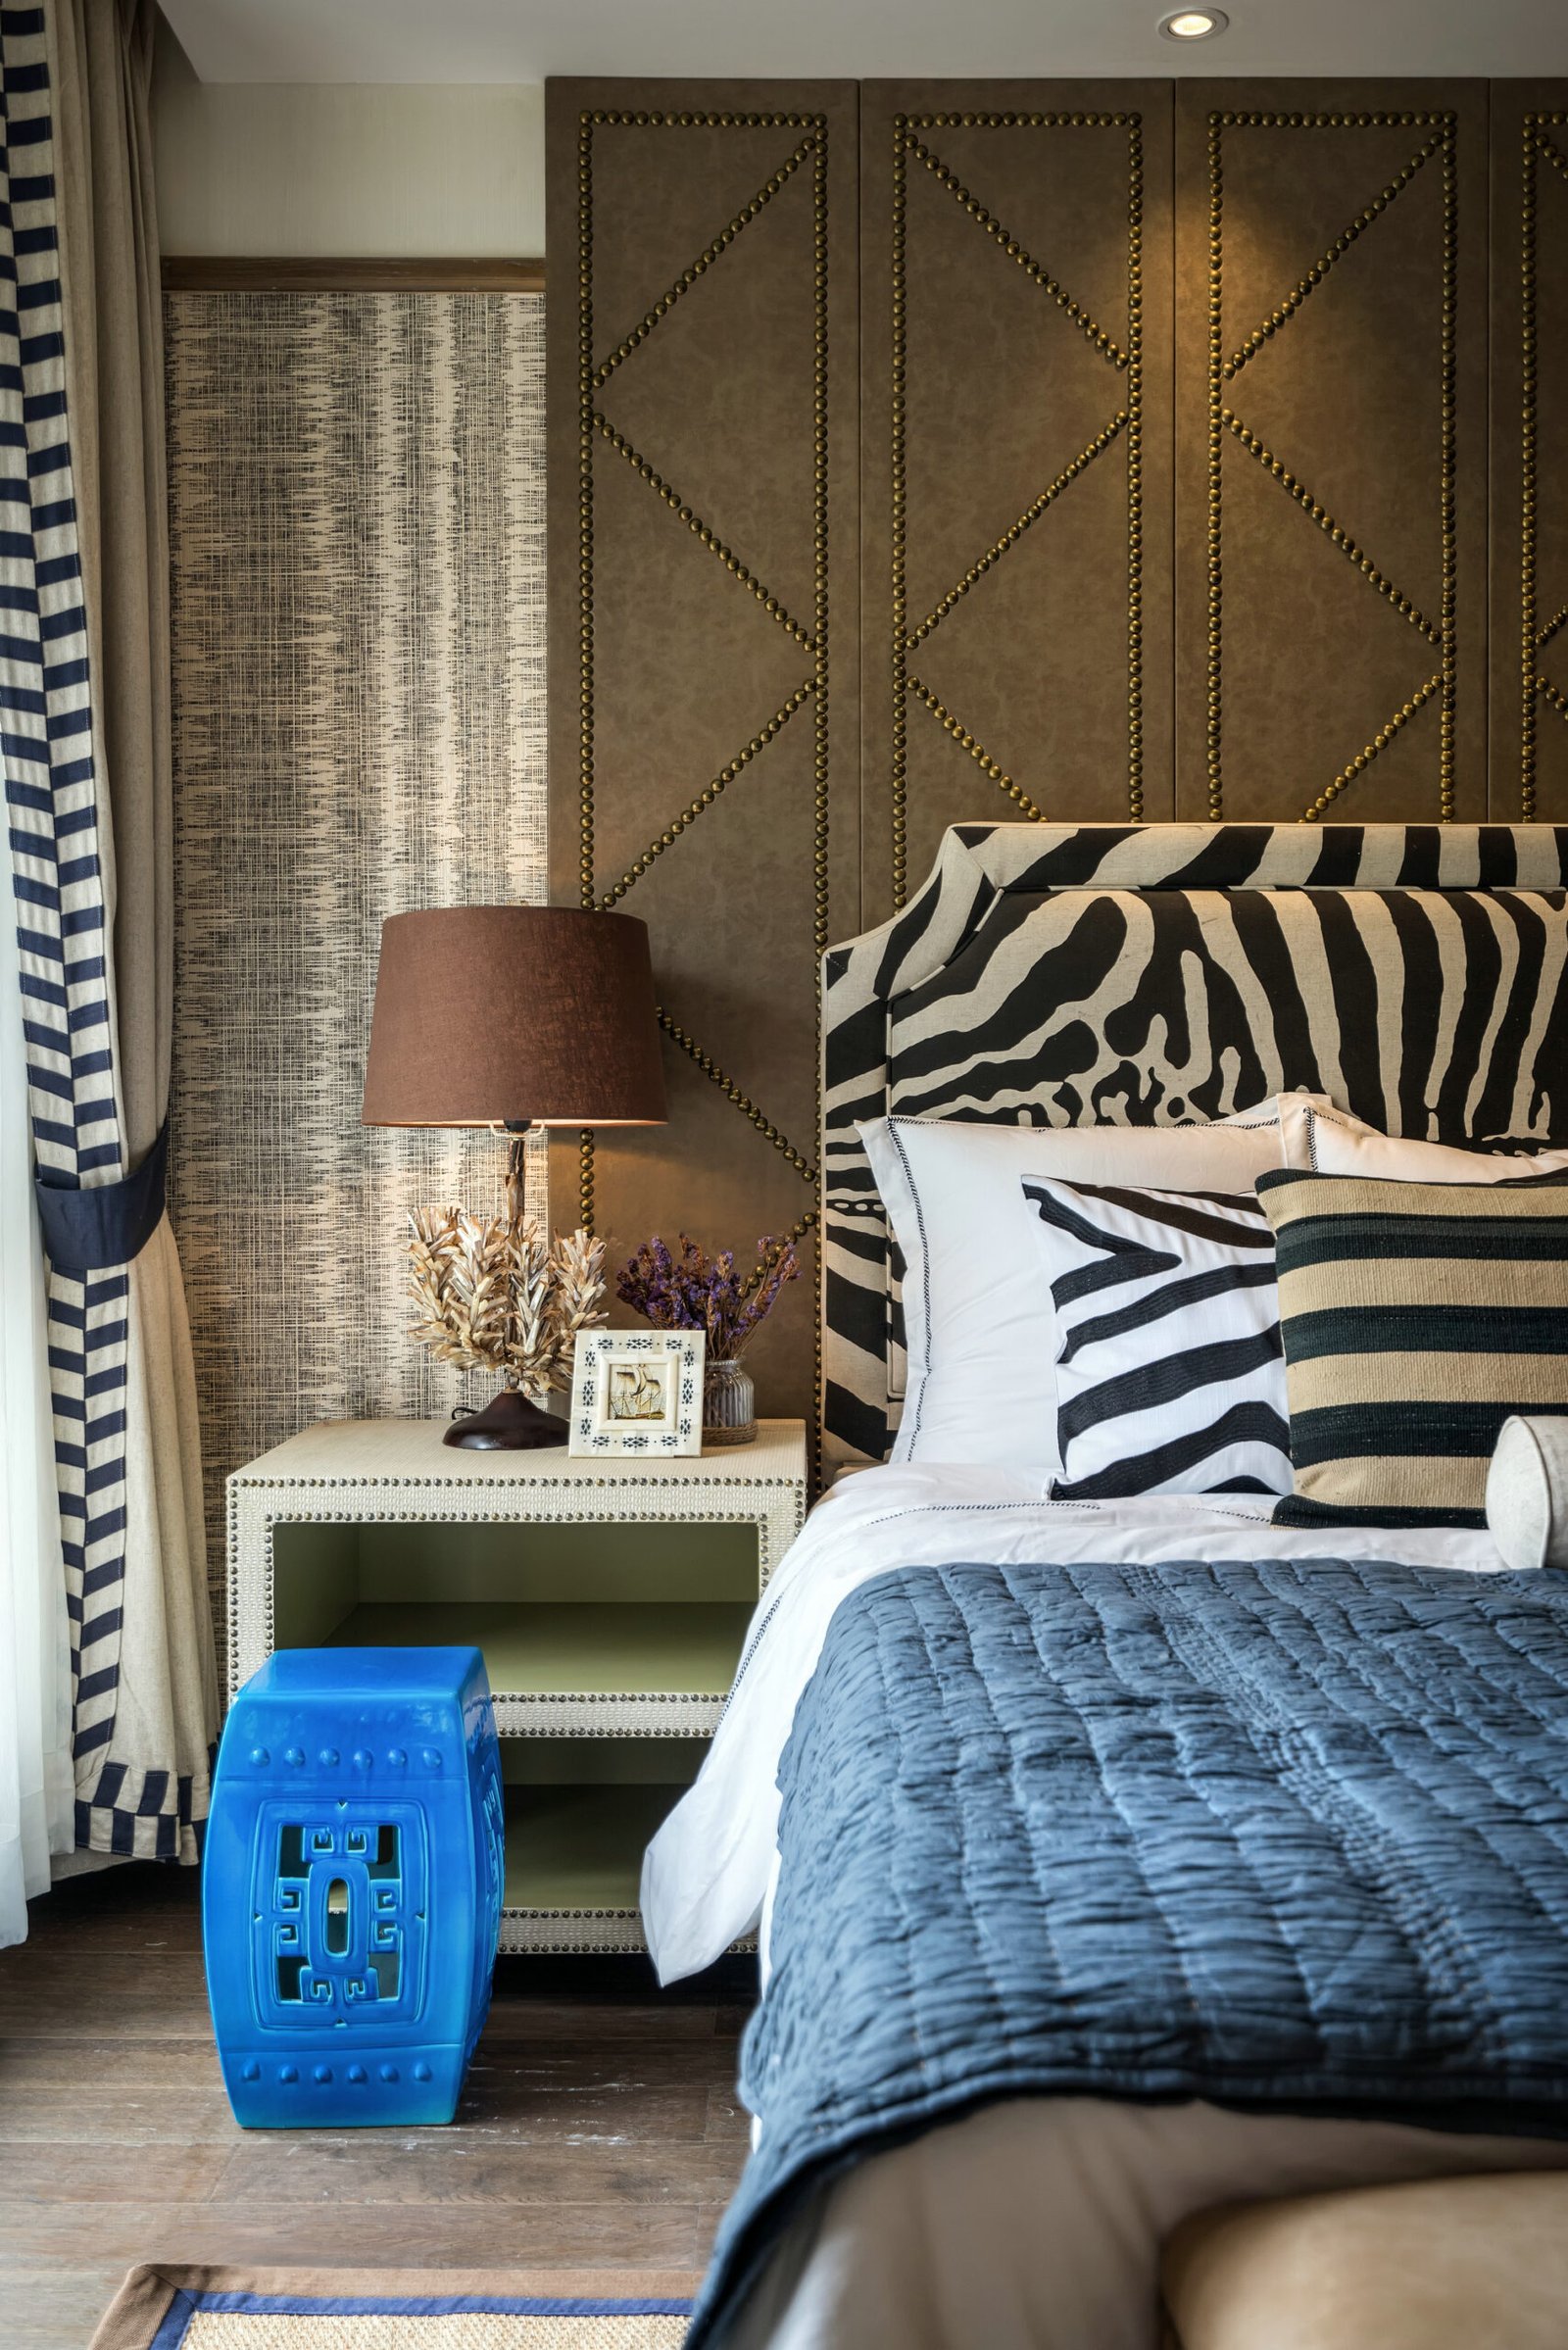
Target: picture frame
636	1394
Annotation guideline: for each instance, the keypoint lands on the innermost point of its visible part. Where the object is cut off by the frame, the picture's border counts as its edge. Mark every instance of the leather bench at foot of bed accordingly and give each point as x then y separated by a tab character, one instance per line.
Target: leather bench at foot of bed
1450	2263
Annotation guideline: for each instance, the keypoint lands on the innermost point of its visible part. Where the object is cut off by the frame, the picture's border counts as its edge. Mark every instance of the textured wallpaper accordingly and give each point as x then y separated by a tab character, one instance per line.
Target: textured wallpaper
357	496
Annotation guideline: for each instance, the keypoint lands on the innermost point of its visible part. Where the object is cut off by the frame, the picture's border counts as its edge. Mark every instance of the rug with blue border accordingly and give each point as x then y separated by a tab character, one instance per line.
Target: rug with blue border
170	2307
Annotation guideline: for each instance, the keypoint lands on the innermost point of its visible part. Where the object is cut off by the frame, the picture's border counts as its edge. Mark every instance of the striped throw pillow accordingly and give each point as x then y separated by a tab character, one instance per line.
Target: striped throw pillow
1417	1317
1169	1377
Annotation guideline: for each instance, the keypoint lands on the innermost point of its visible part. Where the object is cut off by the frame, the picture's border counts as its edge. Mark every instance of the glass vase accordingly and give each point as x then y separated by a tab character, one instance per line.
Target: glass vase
729	1405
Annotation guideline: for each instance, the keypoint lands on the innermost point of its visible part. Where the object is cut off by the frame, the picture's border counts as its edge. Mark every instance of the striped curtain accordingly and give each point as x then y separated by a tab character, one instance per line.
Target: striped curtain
143	1682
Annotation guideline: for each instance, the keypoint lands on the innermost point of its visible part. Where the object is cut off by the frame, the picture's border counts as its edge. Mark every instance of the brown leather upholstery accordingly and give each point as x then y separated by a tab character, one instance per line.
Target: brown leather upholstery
926	452
1450	2263
704	557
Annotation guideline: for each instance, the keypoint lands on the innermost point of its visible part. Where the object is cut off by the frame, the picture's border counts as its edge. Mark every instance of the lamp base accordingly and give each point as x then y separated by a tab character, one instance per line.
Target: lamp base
509	1423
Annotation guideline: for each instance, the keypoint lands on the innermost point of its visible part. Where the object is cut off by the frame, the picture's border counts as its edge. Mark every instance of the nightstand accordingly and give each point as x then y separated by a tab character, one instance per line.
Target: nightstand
610	1599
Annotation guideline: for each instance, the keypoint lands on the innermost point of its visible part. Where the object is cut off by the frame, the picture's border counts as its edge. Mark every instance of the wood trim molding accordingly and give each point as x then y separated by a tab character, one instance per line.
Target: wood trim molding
311	273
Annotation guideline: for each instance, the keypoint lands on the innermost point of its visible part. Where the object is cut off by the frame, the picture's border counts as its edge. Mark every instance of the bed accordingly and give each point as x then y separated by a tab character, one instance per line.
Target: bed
1117	1856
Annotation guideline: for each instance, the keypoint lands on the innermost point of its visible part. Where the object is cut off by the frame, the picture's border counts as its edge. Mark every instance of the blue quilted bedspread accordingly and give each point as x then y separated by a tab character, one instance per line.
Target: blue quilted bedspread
1289	1835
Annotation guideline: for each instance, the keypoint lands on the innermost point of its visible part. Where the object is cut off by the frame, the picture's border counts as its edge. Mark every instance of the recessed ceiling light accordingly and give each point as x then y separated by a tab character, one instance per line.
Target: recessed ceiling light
1194	23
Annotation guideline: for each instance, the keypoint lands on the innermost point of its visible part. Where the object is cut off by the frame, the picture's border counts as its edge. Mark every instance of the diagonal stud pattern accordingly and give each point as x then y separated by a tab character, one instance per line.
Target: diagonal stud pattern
910	146
1026	521
977	751
742	1101
702	263
1321	270
1325	522
773	604
597	428
1106	344
1380	742
1224	423
705	799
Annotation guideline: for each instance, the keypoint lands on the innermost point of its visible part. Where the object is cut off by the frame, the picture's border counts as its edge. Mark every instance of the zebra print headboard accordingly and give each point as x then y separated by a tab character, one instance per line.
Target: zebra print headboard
1073	974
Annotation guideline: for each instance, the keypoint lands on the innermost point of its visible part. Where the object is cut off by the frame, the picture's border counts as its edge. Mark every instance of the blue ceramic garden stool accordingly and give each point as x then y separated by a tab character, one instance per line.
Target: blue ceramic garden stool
351	1885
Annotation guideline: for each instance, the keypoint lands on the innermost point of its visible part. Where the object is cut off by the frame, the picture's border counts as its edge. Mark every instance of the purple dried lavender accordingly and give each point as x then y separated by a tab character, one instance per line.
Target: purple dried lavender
693	1291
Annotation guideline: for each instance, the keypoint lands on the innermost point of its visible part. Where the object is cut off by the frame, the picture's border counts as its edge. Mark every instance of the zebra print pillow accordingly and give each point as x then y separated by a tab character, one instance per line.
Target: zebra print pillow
1170	1376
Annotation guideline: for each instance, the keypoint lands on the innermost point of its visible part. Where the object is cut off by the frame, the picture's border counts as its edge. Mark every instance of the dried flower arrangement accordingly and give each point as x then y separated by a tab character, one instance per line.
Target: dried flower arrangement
693	1291
496	1294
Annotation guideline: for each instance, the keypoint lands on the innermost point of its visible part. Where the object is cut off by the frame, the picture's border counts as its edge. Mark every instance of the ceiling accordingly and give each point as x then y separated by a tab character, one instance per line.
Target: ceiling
525	41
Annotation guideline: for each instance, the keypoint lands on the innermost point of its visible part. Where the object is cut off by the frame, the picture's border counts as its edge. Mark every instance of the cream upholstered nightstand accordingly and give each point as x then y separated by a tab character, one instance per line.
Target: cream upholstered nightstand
609	1597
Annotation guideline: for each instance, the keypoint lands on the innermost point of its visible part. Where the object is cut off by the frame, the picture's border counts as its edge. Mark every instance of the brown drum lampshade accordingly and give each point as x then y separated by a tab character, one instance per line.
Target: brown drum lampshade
513	1015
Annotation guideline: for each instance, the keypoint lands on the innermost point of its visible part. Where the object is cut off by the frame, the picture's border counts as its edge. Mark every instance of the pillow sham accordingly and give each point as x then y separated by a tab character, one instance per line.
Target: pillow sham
977	1311
1417	1317
1169	1374
1318	1135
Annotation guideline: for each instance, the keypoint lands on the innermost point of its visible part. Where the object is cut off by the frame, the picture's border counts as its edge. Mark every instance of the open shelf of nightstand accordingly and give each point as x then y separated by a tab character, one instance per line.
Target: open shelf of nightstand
581	1848
574	1857
538	1649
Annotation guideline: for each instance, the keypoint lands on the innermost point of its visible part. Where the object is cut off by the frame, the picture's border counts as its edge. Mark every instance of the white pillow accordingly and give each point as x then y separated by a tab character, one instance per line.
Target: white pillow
1330	1141
978	1320
1171	1376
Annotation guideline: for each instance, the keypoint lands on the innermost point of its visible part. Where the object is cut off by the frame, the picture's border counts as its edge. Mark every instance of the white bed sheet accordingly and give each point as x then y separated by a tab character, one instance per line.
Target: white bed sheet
707	1872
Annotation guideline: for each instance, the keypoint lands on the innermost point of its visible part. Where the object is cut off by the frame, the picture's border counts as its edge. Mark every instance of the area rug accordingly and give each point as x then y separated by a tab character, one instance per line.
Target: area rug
163	2308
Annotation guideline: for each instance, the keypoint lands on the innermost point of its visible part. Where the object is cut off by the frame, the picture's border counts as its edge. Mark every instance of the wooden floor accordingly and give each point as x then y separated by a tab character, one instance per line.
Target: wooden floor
599	2126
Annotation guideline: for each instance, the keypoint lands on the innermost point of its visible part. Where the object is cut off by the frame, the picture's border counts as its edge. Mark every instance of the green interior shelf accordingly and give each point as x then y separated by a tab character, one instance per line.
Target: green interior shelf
322	1571
554	1648
580	1848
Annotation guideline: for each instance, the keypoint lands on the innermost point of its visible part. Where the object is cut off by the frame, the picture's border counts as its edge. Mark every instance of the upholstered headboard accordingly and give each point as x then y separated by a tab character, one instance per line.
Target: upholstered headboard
1064	975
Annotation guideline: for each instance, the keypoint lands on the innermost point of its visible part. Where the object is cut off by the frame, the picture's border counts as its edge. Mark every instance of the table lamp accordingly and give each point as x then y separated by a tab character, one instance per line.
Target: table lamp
515	1017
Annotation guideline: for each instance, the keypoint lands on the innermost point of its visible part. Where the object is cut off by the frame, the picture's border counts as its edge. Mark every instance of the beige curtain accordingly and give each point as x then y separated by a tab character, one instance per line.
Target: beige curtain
149	1791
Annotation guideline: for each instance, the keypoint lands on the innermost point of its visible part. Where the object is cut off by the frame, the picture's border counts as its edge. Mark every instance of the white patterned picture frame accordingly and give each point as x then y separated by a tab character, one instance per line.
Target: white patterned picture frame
636	1362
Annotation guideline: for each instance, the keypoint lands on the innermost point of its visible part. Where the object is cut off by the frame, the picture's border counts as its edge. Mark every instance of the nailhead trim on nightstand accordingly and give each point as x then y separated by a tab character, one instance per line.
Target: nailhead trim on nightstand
696	1493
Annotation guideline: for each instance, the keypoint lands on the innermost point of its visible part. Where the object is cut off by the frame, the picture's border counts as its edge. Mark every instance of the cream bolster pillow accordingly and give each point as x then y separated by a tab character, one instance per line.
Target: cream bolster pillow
1527	1492
979	1324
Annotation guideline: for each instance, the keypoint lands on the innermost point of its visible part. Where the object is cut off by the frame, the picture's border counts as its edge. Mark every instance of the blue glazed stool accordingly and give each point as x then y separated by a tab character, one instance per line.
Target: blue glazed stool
352	1886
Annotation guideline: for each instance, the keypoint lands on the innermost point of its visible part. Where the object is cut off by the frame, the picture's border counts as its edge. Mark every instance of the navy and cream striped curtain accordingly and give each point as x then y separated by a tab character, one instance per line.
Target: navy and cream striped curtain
73	629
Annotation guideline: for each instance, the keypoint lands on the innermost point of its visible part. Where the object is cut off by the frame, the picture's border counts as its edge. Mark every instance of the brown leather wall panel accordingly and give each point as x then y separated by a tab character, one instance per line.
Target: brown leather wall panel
1530	450
1331	450
1016	479
702	369
923	453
